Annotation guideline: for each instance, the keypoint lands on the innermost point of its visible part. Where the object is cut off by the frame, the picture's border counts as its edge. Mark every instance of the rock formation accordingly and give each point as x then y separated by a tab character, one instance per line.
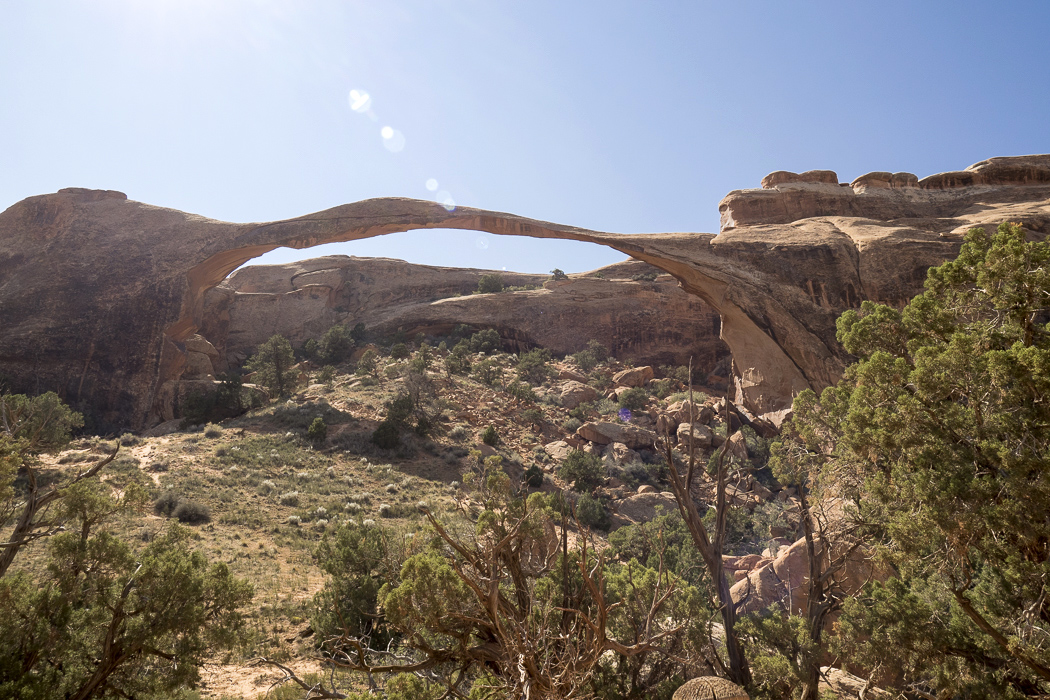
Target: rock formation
99	294
644	321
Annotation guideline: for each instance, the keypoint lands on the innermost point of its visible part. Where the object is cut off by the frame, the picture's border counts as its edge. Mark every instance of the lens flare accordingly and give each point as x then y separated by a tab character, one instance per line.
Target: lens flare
432	185
482	243
625	415
444	198
393	140
360	101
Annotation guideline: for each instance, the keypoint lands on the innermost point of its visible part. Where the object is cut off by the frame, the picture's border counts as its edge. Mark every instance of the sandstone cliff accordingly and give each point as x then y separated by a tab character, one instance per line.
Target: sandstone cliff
98	294
649	322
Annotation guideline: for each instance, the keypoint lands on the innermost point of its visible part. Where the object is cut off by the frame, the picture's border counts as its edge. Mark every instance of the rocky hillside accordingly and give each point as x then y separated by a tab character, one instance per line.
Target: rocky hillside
639	314
99	294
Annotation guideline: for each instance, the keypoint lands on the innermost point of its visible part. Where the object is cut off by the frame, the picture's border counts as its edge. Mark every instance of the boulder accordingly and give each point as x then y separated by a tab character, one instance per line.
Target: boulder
782	582
636	376
642	507
572	393
558	450
736	447
646	488
666	424
568	373
198	366
604	433
702	437
621	453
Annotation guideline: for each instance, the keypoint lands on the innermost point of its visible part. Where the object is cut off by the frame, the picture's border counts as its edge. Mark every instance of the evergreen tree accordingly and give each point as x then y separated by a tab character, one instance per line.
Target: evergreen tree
272	365
939	438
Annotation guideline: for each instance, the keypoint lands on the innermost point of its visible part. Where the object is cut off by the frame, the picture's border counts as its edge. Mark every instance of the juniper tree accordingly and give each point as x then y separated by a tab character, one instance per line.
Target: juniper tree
939	437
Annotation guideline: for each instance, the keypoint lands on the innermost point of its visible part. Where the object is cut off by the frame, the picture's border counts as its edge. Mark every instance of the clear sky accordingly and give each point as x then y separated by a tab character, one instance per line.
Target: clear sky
617	116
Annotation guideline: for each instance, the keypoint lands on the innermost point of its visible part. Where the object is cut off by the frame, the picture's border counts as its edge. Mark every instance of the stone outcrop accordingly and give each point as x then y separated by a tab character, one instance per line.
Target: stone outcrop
99	294
644	321
604	433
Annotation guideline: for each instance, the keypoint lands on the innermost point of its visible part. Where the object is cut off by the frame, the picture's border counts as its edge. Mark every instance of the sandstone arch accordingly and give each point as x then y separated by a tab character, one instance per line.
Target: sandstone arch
98	293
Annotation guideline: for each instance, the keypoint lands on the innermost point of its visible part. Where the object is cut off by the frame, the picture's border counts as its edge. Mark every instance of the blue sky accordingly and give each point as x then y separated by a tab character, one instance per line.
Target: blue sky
617	116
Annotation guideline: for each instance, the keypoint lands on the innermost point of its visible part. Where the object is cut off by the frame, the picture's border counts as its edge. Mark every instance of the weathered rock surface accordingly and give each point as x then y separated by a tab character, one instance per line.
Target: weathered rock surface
782	582
573	393
604	433
643	507
643	321
98	294
633	377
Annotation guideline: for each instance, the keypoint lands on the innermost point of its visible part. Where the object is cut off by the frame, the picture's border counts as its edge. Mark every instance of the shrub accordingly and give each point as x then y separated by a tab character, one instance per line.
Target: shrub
634	399
327	375
534	365
335	345
490	284
129	439
597	350
488	372
385	510
557	275
166	504
585	360
458	433
584	471
486	341
591	511
366	364
533	477
521	391
212	431
386	436
318	430
571	425
533	416
291	498
645	276
399	351
489	436
192	513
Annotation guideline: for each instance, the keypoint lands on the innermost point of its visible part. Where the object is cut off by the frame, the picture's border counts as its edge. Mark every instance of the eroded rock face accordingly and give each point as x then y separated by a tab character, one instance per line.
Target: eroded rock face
98	294
644	321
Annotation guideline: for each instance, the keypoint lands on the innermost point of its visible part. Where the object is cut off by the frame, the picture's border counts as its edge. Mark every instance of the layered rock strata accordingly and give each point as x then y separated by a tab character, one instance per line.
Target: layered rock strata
99	294
646	321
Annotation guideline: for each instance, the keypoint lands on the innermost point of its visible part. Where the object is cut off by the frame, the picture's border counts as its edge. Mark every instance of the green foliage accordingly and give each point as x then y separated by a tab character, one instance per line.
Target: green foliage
663	542
399	351
318	431
533	477
192	513
938	436
592	512
367	363
521	391
534	365
272	366
592	356
386	436
491	283
488	371
423	359
558	275
36	424
486	341
489	436
326	376
779	646
105	619
646	276
359	560
635	398
584	471
335	345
